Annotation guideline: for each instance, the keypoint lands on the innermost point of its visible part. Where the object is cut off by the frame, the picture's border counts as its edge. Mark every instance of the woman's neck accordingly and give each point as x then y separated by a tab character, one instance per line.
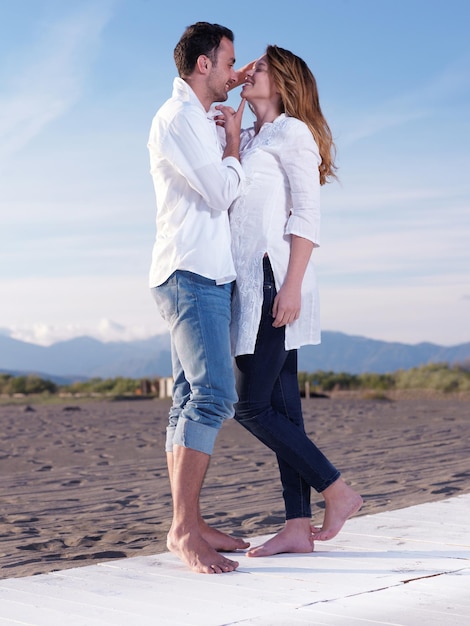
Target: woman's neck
265	113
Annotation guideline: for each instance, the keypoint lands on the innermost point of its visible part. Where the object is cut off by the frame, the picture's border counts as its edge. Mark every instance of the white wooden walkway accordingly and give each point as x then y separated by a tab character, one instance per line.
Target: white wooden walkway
408	567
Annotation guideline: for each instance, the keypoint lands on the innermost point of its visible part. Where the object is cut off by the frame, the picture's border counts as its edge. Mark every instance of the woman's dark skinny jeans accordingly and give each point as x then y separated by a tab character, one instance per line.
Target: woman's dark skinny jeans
270	408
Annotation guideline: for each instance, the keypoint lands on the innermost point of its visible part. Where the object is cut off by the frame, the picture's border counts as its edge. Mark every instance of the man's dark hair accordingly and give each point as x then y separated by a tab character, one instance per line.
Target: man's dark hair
197	39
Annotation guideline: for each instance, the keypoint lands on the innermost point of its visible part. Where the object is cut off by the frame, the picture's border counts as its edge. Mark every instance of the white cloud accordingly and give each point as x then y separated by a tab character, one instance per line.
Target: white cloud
104	330
79	206
46	309
404	313
51	82
375	198
411	106
122	309
403	255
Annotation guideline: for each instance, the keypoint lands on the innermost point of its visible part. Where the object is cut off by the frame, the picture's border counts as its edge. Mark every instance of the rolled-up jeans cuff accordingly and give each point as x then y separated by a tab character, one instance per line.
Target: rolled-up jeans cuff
170	435
191	434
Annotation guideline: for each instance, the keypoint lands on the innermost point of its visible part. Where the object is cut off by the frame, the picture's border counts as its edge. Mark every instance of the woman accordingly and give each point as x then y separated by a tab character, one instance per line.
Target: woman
286	156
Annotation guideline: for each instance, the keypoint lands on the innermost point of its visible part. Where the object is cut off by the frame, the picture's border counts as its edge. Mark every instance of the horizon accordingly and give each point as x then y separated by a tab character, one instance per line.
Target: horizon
81	83
98	336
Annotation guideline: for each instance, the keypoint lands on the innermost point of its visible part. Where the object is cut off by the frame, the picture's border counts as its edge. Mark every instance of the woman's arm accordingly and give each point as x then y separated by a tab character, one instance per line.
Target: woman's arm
286	307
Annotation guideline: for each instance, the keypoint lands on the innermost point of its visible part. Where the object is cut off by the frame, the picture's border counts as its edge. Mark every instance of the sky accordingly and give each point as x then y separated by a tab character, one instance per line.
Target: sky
80	81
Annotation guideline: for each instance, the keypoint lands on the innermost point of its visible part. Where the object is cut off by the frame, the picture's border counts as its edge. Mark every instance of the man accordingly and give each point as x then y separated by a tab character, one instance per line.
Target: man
191	275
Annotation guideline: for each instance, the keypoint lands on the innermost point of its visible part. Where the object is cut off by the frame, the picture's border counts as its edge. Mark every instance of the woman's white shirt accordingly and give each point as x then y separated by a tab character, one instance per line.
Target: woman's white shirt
280	198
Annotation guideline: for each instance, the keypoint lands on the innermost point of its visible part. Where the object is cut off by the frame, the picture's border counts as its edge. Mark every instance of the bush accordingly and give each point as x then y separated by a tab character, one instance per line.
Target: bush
28	384
377	382
109	386
436	376
328	381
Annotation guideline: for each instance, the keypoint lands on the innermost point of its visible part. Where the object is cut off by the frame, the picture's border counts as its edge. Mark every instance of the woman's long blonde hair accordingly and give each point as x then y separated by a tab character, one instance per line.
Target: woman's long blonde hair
299	98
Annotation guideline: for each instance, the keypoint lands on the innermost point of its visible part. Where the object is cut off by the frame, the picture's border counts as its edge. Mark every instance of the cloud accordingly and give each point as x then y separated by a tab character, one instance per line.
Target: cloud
409	313
396	257
372	197
48	309
411	106
44	88
104	330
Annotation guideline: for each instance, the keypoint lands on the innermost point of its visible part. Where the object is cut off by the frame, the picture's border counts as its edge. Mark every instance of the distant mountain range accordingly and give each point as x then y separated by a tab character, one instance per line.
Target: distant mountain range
85	357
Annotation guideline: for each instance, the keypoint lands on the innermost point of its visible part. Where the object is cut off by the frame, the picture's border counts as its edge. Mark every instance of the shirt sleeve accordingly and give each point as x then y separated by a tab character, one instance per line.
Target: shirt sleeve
193	148
300	159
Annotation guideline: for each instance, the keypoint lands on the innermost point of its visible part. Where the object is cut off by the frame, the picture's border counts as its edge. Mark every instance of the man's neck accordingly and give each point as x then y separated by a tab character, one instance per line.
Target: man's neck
200	91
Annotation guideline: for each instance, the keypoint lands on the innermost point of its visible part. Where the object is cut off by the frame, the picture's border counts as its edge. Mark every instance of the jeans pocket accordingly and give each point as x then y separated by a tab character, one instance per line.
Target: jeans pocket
165	298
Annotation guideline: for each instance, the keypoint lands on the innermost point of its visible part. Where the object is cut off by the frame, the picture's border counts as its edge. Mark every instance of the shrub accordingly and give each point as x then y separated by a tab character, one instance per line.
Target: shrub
27	384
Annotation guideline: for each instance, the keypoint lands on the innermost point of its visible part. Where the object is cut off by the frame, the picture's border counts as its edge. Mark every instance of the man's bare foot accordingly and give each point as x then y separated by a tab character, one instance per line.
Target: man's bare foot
296	538
198	555
221	541
341	502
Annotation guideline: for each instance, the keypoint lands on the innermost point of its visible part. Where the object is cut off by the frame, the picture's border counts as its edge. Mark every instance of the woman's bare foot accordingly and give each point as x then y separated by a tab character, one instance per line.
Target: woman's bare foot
198	555
295	537
341	502
221	541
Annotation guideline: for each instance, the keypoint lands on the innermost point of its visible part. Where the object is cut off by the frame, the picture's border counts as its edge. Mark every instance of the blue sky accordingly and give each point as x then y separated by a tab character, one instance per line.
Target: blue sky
80	81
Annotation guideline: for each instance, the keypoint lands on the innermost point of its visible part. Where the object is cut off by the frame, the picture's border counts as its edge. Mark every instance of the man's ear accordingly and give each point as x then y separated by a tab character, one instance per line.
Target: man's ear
202	63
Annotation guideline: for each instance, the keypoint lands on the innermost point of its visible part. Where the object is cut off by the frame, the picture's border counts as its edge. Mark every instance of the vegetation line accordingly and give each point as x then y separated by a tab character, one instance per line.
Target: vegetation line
436	377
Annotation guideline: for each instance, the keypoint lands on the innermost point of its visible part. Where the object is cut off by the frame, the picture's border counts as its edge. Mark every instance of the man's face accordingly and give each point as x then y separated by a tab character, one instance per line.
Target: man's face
222	74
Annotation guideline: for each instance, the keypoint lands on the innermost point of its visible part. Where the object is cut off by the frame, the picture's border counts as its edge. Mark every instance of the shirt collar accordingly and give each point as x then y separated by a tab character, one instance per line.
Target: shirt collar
182	91
280	117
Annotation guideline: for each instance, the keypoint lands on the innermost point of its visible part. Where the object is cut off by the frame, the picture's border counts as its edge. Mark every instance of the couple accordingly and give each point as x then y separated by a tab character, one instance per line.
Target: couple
265	241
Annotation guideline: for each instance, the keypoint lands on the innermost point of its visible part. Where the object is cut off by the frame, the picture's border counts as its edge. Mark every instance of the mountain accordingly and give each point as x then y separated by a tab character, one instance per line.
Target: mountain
356	355
84	356
147	358
58	380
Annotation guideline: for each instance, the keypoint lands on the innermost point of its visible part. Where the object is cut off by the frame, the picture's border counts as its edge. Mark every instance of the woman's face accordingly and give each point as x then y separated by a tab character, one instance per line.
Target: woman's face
259	84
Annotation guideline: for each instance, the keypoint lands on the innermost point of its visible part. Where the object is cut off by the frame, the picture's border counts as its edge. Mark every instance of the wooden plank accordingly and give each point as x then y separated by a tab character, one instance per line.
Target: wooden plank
311	578
433	602
390	568
36	611
112	595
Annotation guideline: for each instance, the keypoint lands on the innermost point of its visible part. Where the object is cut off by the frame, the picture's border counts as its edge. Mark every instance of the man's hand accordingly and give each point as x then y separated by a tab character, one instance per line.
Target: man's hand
232	122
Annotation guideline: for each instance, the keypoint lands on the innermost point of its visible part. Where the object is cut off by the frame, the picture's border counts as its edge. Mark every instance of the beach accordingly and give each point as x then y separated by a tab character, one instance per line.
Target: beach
84	481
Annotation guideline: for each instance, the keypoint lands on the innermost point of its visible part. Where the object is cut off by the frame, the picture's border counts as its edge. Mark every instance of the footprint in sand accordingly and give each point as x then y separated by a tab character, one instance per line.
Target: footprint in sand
53	544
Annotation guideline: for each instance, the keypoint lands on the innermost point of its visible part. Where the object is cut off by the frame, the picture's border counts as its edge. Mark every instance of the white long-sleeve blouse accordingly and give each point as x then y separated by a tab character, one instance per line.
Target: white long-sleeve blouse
281	197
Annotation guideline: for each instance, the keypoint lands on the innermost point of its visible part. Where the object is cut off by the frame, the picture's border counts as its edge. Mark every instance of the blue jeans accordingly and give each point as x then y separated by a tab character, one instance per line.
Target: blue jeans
197	311
270	408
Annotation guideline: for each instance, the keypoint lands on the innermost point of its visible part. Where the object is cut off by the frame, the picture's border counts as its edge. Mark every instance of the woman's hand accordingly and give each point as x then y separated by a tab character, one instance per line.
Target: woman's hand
286	306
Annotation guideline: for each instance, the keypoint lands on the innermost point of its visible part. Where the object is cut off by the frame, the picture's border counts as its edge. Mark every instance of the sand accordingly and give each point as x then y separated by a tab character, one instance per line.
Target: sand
86	481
